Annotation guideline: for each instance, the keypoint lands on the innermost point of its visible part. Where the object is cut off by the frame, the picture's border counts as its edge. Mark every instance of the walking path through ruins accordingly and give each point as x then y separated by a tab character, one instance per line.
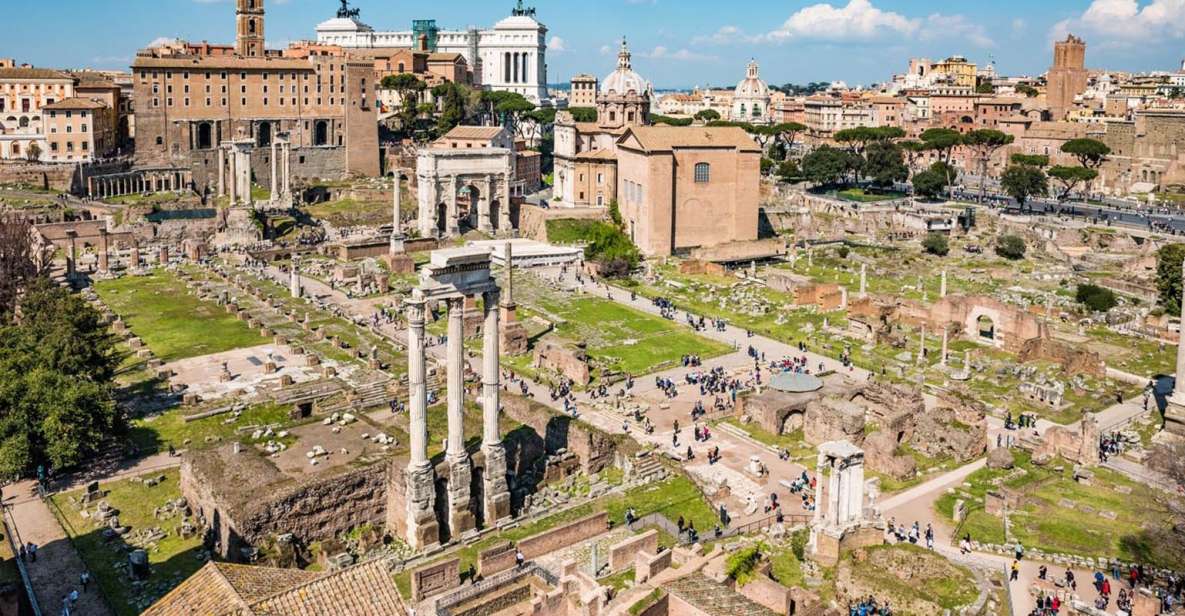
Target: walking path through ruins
57	569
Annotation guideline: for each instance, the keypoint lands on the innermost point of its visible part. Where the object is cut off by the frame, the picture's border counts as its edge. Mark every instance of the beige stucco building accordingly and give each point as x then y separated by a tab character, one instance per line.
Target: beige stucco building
687	187
78	130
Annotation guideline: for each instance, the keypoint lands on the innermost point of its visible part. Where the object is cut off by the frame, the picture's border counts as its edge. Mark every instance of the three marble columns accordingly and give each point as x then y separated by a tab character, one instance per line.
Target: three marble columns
422	527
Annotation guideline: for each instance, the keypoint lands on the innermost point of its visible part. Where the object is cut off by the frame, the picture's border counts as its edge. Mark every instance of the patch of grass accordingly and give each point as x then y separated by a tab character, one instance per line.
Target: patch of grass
172	559
174	324
864	196
156	432
572	230
785	568
793	442
953	588
641	605
618	581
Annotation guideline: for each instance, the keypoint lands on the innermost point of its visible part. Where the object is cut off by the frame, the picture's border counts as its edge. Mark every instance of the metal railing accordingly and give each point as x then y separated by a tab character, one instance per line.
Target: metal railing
446	602
15	542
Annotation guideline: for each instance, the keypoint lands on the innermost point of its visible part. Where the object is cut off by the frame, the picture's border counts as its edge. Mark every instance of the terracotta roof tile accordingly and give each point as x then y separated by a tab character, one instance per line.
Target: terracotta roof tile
75	103
473	132
221	62
663	138
362	590
33	73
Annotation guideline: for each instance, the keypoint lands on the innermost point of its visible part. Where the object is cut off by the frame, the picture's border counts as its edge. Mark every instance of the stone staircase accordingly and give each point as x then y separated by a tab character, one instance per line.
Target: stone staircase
648	468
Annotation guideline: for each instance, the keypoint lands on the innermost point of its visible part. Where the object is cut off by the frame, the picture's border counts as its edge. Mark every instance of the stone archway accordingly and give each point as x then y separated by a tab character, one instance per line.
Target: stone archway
991	320
481	175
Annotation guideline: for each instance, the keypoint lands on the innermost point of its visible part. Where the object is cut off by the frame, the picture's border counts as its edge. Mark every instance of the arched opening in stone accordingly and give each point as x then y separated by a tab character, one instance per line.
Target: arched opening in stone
985	327
263	136
441	218
321	133
205	136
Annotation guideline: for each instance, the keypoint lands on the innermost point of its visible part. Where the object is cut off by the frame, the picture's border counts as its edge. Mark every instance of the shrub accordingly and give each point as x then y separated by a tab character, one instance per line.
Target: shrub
741	564
936	244
798	542
1010	247
1096	298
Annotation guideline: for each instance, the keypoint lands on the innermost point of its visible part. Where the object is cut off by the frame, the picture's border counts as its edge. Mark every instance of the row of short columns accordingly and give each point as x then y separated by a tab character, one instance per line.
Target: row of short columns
102	187
103	253
422	527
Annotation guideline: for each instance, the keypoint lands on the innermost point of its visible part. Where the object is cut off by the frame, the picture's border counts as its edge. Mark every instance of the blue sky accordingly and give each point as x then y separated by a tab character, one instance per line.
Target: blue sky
676	43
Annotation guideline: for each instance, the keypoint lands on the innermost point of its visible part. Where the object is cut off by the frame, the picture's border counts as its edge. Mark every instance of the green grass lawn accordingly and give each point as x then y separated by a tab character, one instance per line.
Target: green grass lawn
174	324
792	442
156	432
866	196
172	560
350	212
674	497
618	338
572	230
1049	522
950	587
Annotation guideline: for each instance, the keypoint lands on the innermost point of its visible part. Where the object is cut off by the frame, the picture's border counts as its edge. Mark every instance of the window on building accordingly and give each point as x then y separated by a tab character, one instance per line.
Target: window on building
160	140
85	146
703	172
69	145
84	128
69	128
53	147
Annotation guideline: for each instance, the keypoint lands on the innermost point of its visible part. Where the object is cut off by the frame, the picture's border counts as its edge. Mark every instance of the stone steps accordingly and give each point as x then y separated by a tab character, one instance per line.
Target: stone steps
714	598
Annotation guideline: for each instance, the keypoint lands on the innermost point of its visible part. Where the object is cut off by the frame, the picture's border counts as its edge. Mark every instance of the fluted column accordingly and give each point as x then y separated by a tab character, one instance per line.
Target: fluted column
423	530
460	473
417	387
275	172
497	494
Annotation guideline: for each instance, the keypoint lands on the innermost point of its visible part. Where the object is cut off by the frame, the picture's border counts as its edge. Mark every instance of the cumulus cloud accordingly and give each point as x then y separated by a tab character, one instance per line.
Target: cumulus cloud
557	45
1126	22
858	20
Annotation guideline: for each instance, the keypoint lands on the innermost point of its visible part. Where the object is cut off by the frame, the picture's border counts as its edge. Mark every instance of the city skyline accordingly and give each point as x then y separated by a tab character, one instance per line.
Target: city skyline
797	42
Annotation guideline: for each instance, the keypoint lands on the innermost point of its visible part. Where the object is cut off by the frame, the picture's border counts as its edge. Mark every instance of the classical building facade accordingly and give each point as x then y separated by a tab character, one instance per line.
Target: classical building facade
586	152
583	92
750	101
78	130
189	101
510	57
681	188
24	93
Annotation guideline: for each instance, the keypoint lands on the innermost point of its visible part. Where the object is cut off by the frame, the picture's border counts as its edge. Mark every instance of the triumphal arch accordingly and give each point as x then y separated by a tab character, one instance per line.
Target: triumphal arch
464	185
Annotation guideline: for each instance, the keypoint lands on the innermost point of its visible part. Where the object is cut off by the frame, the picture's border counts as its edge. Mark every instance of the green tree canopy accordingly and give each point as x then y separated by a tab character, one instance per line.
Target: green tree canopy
1023	181
1096	298
56	366
1027	90
1011	247
936	244
789	172
707	115
929	184
1169	259
1091	153
1070	177
985	87
884	164
583	114
827	165
1030	160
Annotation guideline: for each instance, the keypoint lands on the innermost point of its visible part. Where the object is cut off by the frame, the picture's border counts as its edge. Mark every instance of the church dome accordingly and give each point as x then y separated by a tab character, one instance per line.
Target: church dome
624	80
752	87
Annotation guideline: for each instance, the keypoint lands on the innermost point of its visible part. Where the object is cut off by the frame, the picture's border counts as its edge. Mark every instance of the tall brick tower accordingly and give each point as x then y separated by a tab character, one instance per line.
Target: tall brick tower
1067	77
249	28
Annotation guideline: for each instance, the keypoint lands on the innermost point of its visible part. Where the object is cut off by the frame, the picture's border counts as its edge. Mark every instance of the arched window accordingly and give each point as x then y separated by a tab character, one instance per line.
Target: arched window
205	138
160	140
321	133
16	149
703	172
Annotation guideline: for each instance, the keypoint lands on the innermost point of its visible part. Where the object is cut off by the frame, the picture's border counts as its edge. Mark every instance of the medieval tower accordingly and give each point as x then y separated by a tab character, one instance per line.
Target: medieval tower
249	28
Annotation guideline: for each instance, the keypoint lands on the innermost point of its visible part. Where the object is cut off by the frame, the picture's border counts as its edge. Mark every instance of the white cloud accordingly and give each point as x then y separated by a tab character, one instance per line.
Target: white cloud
939	26
1120	23
606	50
557	45
858	20
1019	25
724	36
663	53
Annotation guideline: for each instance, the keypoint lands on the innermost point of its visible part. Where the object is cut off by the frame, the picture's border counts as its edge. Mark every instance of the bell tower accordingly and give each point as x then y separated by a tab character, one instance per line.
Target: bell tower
249	28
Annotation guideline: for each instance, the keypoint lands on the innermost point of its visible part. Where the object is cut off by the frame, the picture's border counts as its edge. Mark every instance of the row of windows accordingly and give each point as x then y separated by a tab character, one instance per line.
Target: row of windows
69	128
634	192
223	74
26	104
85	146
24	87
243	102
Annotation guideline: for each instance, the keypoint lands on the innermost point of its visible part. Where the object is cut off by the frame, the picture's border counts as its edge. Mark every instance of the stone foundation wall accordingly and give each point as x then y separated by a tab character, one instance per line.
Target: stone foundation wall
532	219
501	558
308	163
41	175
766	592
1072	360
594	448
623	554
